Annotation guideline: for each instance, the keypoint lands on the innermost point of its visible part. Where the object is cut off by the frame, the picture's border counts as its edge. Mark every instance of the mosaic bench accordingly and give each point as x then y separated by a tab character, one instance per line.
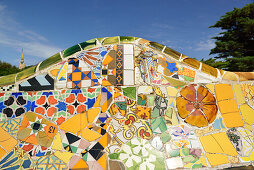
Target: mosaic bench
125	103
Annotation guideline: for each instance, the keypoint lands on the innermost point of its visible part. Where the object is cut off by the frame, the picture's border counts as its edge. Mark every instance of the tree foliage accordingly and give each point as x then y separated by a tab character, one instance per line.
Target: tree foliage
6	68
235	44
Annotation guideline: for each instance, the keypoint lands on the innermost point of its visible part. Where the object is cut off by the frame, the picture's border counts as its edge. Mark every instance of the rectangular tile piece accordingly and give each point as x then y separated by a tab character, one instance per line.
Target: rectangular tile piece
128	49
119	65
128	78
128	62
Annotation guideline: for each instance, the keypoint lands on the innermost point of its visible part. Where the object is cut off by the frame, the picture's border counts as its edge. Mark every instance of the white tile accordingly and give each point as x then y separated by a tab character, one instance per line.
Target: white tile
85	83
145	90
69	84
128	62
128	78
60	84
173	163
128	49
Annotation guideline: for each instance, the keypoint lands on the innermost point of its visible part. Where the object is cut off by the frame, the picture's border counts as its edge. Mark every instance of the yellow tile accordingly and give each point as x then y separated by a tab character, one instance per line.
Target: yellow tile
174	119
247	113
172	91
238	94
218	143
92	114
223	91
217	159
75	123
211	88
203	161
228	106
64	156
232	119
252	156
210	145
57	143
245	159
225	144
230	76
90	135
249	127
7	142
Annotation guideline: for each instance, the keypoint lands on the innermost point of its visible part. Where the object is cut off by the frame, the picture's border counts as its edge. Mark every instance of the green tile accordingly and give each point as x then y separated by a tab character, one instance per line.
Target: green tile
158	125
7	80
174	153
157	45
26	73
125	39
111	40
165	137
71	50
130	92
51	60
88	44
100	39
172	53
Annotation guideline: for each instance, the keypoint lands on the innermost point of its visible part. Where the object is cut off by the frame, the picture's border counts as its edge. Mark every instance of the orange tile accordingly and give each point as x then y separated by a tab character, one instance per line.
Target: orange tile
223	91
210	145
75	123
76	76
2	152
228	106
218	143
217	159
232	119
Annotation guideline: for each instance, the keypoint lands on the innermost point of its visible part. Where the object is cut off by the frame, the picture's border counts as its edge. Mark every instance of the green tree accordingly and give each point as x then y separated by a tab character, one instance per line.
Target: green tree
235	45
6	68
217	64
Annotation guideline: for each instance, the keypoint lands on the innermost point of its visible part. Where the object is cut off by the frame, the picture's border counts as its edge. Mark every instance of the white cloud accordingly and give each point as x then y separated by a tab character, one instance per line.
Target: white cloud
32	35
205	45
33	43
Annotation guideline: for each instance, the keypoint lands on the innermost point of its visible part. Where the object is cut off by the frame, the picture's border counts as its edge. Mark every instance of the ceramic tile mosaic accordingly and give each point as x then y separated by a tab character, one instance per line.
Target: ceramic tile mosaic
126	103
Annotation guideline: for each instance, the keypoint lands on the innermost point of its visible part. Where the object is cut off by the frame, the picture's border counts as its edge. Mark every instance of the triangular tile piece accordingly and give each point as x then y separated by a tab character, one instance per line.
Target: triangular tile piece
62	78
90	135
75	123
92	114
64	156
57	143
71	138
103	161
130	92
81	164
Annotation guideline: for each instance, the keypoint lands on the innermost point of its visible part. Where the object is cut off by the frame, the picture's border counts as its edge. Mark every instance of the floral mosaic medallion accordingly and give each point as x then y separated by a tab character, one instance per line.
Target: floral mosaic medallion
196	105
139	154
125	103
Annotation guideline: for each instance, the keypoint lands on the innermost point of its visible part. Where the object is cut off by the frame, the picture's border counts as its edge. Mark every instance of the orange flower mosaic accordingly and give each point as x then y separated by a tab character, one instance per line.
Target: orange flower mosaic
196	105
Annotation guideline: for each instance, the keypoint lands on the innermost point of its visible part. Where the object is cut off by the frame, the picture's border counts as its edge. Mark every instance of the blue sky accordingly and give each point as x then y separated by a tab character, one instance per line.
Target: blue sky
45	27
